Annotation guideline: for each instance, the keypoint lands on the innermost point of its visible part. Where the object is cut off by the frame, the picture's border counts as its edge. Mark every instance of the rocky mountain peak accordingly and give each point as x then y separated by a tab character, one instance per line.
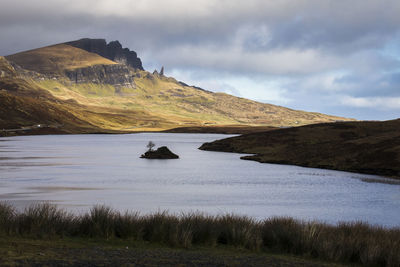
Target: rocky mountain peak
112	51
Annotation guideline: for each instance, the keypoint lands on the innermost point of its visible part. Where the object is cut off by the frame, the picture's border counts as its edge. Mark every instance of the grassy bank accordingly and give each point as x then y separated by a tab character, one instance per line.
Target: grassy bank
344	243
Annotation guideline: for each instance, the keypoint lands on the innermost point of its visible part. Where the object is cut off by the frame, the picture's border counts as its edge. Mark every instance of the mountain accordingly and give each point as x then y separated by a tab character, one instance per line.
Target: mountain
112	51
366	147
104	88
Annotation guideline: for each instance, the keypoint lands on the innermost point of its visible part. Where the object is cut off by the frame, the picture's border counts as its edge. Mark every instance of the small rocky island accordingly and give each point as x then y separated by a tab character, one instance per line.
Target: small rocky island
161	153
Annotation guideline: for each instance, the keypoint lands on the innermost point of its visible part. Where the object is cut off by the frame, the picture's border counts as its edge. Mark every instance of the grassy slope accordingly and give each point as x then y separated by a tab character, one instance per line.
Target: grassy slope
28	104
366	147
57	58
25	103
176	105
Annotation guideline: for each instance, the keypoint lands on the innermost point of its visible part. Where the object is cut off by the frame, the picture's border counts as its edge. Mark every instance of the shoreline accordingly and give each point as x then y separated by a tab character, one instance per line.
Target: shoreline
396	179
361	147
49	130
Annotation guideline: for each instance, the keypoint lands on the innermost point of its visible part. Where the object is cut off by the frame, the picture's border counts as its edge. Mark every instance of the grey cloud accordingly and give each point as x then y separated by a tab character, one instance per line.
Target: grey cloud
321	46
381	85
339	25
301	24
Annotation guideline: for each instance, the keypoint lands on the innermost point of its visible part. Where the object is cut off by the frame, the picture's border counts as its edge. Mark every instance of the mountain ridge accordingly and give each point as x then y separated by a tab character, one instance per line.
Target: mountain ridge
111	90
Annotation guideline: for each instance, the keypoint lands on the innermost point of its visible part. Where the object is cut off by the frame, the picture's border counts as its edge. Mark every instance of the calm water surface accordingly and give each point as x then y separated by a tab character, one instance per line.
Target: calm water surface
79	171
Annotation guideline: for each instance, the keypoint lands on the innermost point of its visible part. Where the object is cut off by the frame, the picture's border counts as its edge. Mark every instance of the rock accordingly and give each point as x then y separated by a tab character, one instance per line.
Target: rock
161	153
112	51
118	75
161	73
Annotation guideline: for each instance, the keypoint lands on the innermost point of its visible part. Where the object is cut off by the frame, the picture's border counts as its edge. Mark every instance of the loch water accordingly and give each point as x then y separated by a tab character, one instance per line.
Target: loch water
79	171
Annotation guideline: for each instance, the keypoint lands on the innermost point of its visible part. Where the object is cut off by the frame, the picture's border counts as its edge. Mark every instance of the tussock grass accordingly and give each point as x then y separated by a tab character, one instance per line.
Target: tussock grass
354	242
43	220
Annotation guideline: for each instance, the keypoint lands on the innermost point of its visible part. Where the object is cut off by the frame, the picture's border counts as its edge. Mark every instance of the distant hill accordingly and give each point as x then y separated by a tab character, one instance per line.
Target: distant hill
105	87
365	147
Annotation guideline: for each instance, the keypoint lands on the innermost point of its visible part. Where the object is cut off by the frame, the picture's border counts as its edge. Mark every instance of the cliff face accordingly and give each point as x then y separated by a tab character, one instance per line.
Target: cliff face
112	51
158	102
78	65
117	75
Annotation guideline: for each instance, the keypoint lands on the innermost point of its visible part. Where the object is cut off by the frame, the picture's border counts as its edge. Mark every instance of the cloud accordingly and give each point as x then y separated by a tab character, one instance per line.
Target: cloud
372	102
235	59
290	52
311	24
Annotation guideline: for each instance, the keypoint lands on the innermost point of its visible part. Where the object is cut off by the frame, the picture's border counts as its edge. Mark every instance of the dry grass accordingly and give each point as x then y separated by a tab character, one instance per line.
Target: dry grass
174	105
57	58
356	243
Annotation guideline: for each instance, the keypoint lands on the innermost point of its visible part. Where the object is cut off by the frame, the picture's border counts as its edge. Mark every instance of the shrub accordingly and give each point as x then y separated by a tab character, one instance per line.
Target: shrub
41	220
7	217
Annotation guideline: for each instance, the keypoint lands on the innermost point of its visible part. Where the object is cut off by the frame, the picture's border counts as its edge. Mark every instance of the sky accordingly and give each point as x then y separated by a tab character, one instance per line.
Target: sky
340	57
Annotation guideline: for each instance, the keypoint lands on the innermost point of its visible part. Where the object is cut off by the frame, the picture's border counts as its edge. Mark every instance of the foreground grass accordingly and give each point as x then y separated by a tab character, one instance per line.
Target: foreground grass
355	243
16	251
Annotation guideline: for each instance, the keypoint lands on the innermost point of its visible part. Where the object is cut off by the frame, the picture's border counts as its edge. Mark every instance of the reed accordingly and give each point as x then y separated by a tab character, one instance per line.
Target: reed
351	242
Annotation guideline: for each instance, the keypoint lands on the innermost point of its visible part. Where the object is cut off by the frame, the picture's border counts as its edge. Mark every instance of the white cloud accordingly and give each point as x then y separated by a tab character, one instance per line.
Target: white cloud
257	88
383	103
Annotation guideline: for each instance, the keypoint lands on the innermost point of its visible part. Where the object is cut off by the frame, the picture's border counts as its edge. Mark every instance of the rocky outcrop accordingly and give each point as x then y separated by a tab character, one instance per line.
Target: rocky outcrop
161	73
112	51
161	153
117	75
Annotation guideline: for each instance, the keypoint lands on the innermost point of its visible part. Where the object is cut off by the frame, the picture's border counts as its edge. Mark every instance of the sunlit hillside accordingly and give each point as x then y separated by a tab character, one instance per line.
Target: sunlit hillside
116	97
57	58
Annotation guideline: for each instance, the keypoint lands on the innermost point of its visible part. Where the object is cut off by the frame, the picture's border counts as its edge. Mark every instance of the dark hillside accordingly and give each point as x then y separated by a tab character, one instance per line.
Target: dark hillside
366	147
